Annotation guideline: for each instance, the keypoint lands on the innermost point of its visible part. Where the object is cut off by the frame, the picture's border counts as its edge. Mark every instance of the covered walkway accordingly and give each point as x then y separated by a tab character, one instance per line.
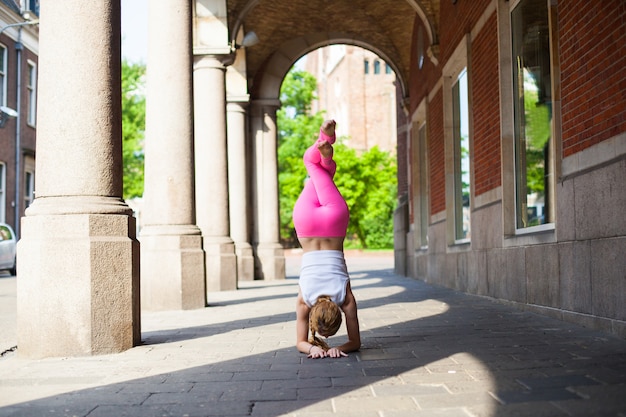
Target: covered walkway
427	351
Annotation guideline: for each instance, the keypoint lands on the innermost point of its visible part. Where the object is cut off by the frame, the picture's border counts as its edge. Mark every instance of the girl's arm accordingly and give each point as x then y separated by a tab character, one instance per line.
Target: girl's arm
302	331
352	323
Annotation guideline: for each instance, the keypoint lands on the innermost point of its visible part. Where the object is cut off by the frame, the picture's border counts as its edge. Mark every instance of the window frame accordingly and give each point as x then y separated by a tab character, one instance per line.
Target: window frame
456	65
4	51
420	178
3	191
544	233
31	88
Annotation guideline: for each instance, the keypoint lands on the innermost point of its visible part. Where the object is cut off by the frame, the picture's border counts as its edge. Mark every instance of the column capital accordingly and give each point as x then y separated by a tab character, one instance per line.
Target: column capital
242	100
213	58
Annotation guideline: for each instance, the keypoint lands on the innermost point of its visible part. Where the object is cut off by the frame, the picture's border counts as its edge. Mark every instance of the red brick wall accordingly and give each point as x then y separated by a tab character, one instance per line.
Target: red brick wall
422	80
436	155
455	22
486	108
592	43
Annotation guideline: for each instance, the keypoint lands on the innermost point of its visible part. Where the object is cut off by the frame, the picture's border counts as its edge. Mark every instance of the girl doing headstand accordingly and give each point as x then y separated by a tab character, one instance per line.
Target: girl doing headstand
320	217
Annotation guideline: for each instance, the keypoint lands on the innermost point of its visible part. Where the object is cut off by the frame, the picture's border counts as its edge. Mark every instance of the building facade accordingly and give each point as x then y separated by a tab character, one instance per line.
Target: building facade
19	48
517	157
358	89
511	148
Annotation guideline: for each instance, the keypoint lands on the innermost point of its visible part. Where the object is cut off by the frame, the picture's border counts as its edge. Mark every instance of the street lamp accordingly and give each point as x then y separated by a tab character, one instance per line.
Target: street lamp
5	114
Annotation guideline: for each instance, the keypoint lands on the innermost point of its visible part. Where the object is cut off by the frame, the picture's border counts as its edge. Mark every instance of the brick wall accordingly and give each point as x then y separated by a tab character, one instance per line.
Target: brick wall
422	80
456	21
436	155
592	43
486	108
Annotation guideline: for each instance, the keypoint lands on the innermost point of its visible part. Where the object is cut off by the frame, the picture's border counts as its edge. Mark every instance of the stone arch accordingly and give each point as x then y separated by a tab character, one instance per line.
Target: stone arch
267	86
427	17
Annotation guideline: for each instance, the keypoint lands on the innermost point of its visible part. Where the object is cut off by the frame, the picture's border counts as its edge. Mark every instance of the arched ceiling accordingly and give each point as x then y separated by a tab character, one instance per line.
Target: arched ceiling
288	29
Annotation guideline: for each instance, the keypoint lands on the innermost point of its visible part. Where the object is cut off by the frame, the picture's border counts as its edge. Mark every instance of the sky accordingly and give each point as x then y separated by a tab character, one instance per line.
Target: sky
135	30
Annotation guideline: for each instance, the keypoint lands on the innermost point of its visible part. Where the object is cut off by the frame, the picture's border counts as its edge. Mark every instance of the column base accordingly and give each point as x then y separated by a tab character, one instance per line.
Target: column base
270	261
221	264
172	269
245	261
78	285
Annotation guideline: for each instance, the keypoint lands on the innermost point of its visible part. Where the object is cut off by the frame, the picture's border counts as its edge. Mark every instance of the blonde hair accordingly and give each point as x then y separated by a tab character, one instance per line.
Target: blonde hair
324	319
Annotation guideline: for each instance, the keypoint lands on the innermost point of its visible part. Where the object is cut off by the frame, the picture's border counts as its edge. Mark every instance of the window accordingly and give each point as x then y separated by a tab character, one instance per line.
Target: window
31	86
29	188
532	99
458	145
460	122
387	68
3	75
423	187
3	193
33	6
376	67
366	66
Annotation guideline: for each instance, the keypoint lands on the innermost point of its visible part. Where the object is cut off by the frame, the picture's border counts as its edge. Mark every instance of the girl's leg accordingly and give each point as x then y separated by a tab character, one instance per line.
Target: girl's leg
320	209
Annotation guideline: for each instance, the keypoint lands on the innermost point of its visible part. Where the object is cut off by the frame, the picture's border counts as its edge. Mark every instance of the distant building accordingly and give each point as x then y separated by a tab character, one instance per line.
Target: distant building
19	48
357	89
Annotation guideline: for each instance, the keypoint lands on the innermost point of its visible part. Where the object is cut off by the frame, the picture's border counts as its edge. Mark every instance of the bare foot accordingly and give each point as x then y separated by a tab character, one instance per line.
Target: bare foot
326	150
328	127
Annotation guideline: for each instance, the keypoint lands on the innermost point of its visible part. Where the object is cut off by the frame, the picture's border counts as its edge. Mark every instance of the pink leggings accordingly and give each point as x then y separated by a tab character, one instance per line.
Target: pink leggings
320	210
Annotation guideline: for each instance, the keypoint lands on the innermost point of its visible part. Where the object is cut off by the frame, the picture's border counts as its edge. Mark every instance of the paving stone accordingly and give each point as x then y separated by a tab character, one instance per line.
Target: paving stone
426	351
396	402
442	412
543	395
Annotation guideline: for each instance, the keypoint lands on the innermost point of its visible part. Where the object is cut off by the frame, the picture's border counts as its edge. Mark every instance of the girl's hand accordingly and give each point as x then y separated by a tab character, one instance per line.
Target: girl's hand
335	353
317	352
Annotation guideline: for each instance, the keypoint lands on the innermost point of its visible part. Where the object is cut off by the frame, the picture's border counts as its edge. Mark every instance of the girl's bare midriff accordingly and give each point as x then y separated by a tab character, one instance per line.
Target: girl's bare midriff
310	244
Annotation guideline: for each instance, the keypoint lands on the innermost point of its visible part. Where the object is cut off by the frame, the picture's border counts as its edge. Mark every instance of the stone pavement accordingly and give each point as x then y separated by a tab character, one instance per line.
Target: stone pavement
427	351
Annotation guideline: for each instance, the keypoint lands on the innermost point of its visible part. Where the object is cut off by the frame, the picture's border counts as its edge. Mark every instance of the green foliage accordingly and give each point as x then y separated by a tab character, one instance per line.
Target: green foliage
298	92
297	132
368	181
133	127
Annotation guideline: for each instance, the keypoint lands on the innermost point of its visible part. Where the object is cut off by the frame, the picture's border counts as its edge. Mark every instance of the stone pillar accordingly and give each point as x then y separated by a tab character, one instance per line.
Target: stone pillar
172	274
270	255
212	171
238	186
78	259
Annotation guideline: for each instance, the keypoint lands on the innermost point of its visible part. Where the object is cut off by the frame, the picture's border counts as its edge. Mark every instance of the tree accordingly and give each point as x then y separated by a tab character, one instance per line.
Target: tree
296	128
368	183
133	127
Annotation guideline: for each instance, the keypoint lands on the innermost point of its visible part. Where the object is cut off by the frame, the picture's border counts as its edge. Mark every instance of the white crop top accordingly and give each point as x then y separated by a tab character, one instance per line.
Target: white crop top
323	272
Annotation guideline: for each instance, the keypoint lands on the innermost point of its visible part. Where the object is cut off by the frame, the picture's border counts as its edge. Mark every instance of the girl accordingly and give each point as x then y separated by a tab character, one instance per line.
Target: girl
320	217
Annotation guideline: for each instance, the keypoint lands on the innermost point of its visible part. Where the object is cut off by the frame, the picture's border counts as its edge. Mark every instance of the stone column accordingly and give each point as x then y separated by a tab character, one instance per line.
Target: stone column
212	172
270	255
172	274
78	259
240	201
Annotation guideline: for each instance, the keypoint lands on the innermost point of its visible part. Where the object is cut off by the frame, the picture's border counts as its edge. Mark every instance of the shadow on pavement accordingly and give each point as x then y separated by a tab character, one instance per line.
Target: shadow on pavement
425	350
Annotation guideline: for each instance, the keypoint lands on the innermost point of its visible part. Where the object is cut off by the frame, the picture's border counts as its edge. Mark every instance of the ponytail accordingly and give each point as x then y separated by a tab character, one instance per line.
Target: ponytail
325	319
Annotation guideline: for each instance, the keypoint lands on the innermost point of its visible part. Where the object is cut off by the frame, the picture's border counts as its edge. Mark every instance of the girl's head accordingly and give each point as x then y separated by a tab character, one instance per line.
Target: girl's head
324	319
